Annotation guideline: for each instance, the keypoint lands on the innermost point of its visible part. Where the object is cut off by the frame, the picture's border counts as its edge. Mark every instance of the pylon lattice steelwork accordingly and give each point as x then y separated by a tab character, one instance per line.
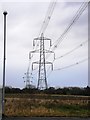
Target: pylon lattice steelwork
42	79
28	78
42	68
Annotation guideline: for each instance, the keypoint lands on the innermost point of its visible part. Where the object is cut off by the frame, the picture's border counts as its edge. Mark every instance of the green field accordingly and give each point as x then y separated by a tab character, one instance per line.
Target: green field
46	105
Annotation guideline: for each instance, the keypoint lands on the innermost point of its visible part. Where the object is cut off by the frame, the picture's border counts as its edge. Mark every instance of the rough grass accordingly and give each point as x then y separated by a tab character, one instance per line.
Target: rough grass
44	105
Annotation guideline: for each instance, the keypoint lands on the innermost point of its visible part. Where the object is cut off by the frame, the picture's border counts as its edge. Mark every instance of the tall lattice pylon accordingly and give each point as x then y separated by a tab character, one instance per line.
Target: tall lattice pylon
42	82
42	79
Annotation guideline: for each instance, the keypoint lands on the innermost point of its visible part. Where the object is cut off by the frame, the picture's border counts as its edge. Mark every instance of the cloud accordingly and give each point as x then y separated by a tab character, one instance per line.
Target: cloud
24	21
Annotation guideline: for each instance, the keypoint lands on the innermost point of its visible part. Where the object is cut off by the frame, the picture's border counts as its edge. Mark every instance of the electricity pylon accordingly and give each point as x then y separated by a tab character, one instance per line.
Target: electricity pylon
28	78
42	73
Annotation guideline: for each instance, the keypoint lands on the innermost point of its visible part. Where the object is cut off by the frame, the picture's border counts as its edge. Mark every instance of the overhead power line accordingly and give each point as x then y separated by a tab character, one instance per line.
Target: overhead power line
72	65
74	49
47	17
68	66
60	39
46	20
75	18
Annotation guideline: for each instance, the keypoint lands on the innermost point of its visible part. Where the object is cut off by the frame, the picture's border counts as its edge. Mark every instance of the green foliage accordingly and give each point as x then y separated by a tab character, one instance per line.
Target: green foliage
51	90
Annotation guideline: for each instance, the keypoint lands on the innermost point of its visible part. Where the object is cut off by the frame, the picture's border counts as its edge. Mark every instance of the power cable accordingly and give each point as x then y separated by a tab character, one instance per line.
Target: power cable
75	18
47	19
72	65
74	49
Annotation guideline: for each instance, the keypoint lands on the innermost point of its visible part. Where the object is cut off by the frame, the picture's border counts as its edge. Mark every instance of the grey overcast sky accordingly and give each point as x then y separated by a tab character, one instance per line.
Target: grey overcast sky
24	21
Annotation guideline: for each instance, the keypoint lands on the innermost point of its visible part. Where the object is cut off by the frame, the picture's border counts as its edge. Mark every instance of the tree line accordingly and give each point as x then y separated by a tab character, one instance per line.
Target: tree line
51	90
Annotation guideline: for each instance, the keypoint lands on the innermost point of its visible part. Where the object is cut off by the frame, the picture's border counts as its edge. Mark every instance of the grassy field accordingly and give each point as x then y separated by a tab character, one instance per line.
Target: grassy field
46	105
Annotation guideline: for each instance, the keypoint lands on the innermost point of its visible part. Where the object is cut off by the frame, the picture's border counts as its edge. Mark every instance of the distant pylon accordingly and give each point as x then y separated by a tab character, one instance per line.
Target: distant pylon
28	77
